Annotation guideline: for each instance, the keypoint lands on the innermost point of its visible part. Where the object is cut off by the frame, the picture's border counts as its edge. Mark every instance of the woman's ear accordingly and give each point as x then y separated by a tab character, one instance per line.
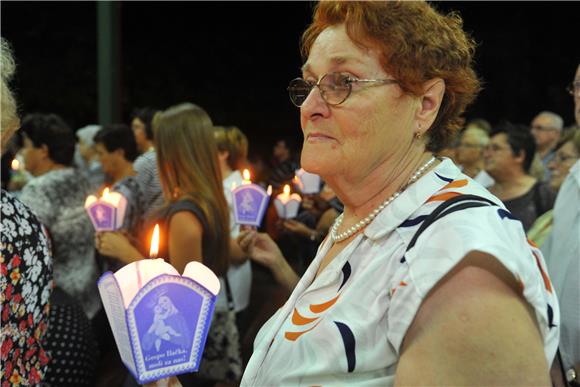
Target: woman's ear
430	102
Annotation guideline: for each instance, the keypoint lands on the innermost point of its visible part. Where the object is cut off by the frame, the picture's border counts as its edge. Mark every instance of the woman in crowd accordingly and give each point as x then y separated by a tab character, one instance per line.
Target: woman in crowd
56	195
567	153
26	266
391	297
232	145
509	158
195	223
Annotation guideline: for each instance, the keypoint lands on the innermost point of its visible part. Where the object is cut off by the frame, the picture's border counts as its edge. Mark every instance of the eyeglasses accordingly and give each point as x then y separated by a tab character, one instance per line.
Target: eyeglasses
467	145
541	128
574	88
334	88
561	158
495	148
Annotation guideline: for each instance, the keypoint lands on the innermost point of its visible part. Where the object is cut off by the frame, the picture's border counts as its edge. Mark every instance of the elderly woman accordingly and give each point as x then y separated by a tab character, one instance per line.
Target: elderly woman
403	291
26	264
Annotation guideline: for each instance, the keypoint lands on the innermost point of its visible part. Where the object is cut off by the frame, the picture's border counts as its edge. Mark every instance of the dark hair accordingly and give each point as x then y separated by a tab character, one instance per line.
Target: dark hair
146	115
520	138
118	136
52	131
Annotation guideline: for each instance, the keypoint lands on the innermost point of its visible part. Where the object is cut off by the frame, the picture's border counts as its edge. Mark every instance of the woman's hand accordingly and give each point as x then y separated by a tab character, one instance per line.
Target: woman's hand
116	244
262	249
298	228
167	382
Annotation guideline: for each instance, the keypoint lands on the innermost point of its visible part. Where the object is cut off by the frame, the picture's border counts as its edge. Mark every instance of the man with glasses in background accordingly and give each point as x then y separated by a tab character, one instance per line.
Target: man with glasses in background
546	128
472	142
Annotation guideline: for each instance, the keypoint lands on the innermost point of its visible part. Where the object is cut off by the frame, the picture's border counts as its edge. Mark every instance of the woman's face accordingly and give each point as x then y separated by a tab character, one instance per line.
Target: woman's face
138	127
560	165
374	125
33	157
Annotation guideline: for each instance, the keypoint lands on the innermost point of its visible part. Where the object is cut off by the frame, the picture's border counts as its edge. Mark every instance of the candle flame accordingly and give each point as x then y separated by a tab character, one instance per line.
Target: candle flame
286	189
15	164
269	191
296	179
105	192
154	249
246	174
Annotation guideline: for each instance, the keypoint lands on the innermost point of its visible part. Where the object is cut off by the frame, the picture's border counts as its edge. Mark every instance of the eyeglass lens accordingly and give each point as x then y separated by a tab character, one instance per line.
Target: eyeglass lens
334	89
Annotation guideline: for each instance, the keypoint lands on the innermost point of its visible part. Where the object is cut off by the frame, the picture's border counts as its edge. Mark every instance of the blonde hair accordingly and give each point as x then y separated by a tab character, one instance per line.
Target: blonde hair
232	140
188	169
9	115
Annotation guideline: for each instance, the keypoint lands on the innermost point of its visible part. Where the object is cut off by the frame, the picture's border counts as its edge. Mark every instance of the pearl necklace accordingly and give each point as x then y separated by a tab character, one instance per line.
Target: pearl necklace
335	237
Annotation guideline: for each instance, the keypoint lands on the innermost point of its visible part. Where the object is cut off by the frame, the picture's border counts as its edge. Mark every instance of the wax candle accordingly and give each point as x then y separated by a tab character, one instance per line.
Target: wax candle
287	205
307	183
159	319
107	212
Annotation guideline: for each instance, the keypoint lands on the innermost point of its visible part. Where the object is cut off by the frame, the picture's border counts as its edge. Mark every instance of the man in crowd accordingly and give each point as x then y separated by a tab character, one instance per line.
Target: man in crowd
546	128
563	261
469	153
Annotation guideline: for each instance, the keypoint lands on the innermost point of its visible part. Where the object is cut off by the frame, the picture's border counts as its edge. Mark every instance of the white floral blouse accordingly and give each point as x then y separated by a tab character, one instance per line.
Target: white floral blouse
346	326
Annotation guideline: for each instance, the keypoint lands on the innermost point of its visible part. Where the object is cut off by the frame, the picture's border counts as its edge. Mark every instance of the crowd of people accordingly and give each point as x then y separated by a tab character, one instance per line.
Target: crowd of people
360	286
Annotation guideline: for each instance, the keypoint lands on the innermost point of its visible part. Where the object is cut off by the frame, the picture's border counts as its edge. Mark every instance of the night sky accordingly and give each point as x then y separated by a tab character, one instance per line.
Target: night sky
235	59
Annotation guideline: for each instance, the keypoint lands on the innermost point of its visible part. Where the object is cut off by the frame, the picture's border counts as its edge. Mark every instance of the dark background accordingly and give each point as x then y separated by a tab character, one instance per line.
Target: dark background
235	59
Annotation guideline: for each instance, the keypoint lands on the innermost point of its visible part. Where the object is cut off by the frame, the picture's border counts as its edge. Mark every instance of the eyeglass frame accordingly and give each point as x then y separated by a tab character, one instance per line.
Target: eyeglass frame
574	88
541	128
349	83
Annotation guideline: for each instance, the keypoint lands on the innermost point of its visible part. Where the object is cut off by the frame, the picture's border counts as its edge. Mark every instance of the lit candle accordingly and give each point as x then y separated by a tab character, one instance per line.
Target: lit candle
250	201
155	313
108	211
307	183
15	165
154	247
287	205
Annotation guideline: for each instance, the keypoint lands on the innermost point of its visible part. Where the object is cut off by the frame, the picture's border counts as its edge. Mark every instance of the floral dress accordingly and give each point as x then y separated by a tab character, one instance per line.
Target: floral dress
25	285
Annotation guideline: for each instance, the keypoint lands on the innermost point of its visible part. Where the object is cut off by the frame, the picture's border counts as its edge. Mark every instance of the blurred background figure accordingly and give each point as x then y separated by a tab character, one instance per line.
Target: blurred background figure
566	154
86	157
561	251
116	150
469	153
546	128
56	195
508	158
26	266
146	164
232	145
284	162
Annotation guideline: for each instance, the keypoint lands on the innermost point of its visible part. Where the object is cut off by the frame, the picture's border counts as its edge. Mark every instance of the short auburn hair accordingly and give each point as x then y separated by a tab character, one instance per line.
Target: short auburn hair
416	44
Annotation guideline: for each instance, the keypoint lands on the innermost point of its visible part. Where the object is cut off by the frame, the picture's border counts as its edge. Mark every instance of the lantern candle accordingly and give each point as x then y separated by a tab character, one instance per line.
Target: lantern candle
250	201
287	205
107	212
306	182
159	319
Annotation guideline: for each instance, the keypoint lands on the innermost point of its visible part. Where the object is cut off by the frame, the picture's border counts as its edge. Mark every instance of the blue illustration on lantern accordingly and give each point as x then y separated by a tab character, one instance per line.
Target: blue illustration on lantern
250	203
103	216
